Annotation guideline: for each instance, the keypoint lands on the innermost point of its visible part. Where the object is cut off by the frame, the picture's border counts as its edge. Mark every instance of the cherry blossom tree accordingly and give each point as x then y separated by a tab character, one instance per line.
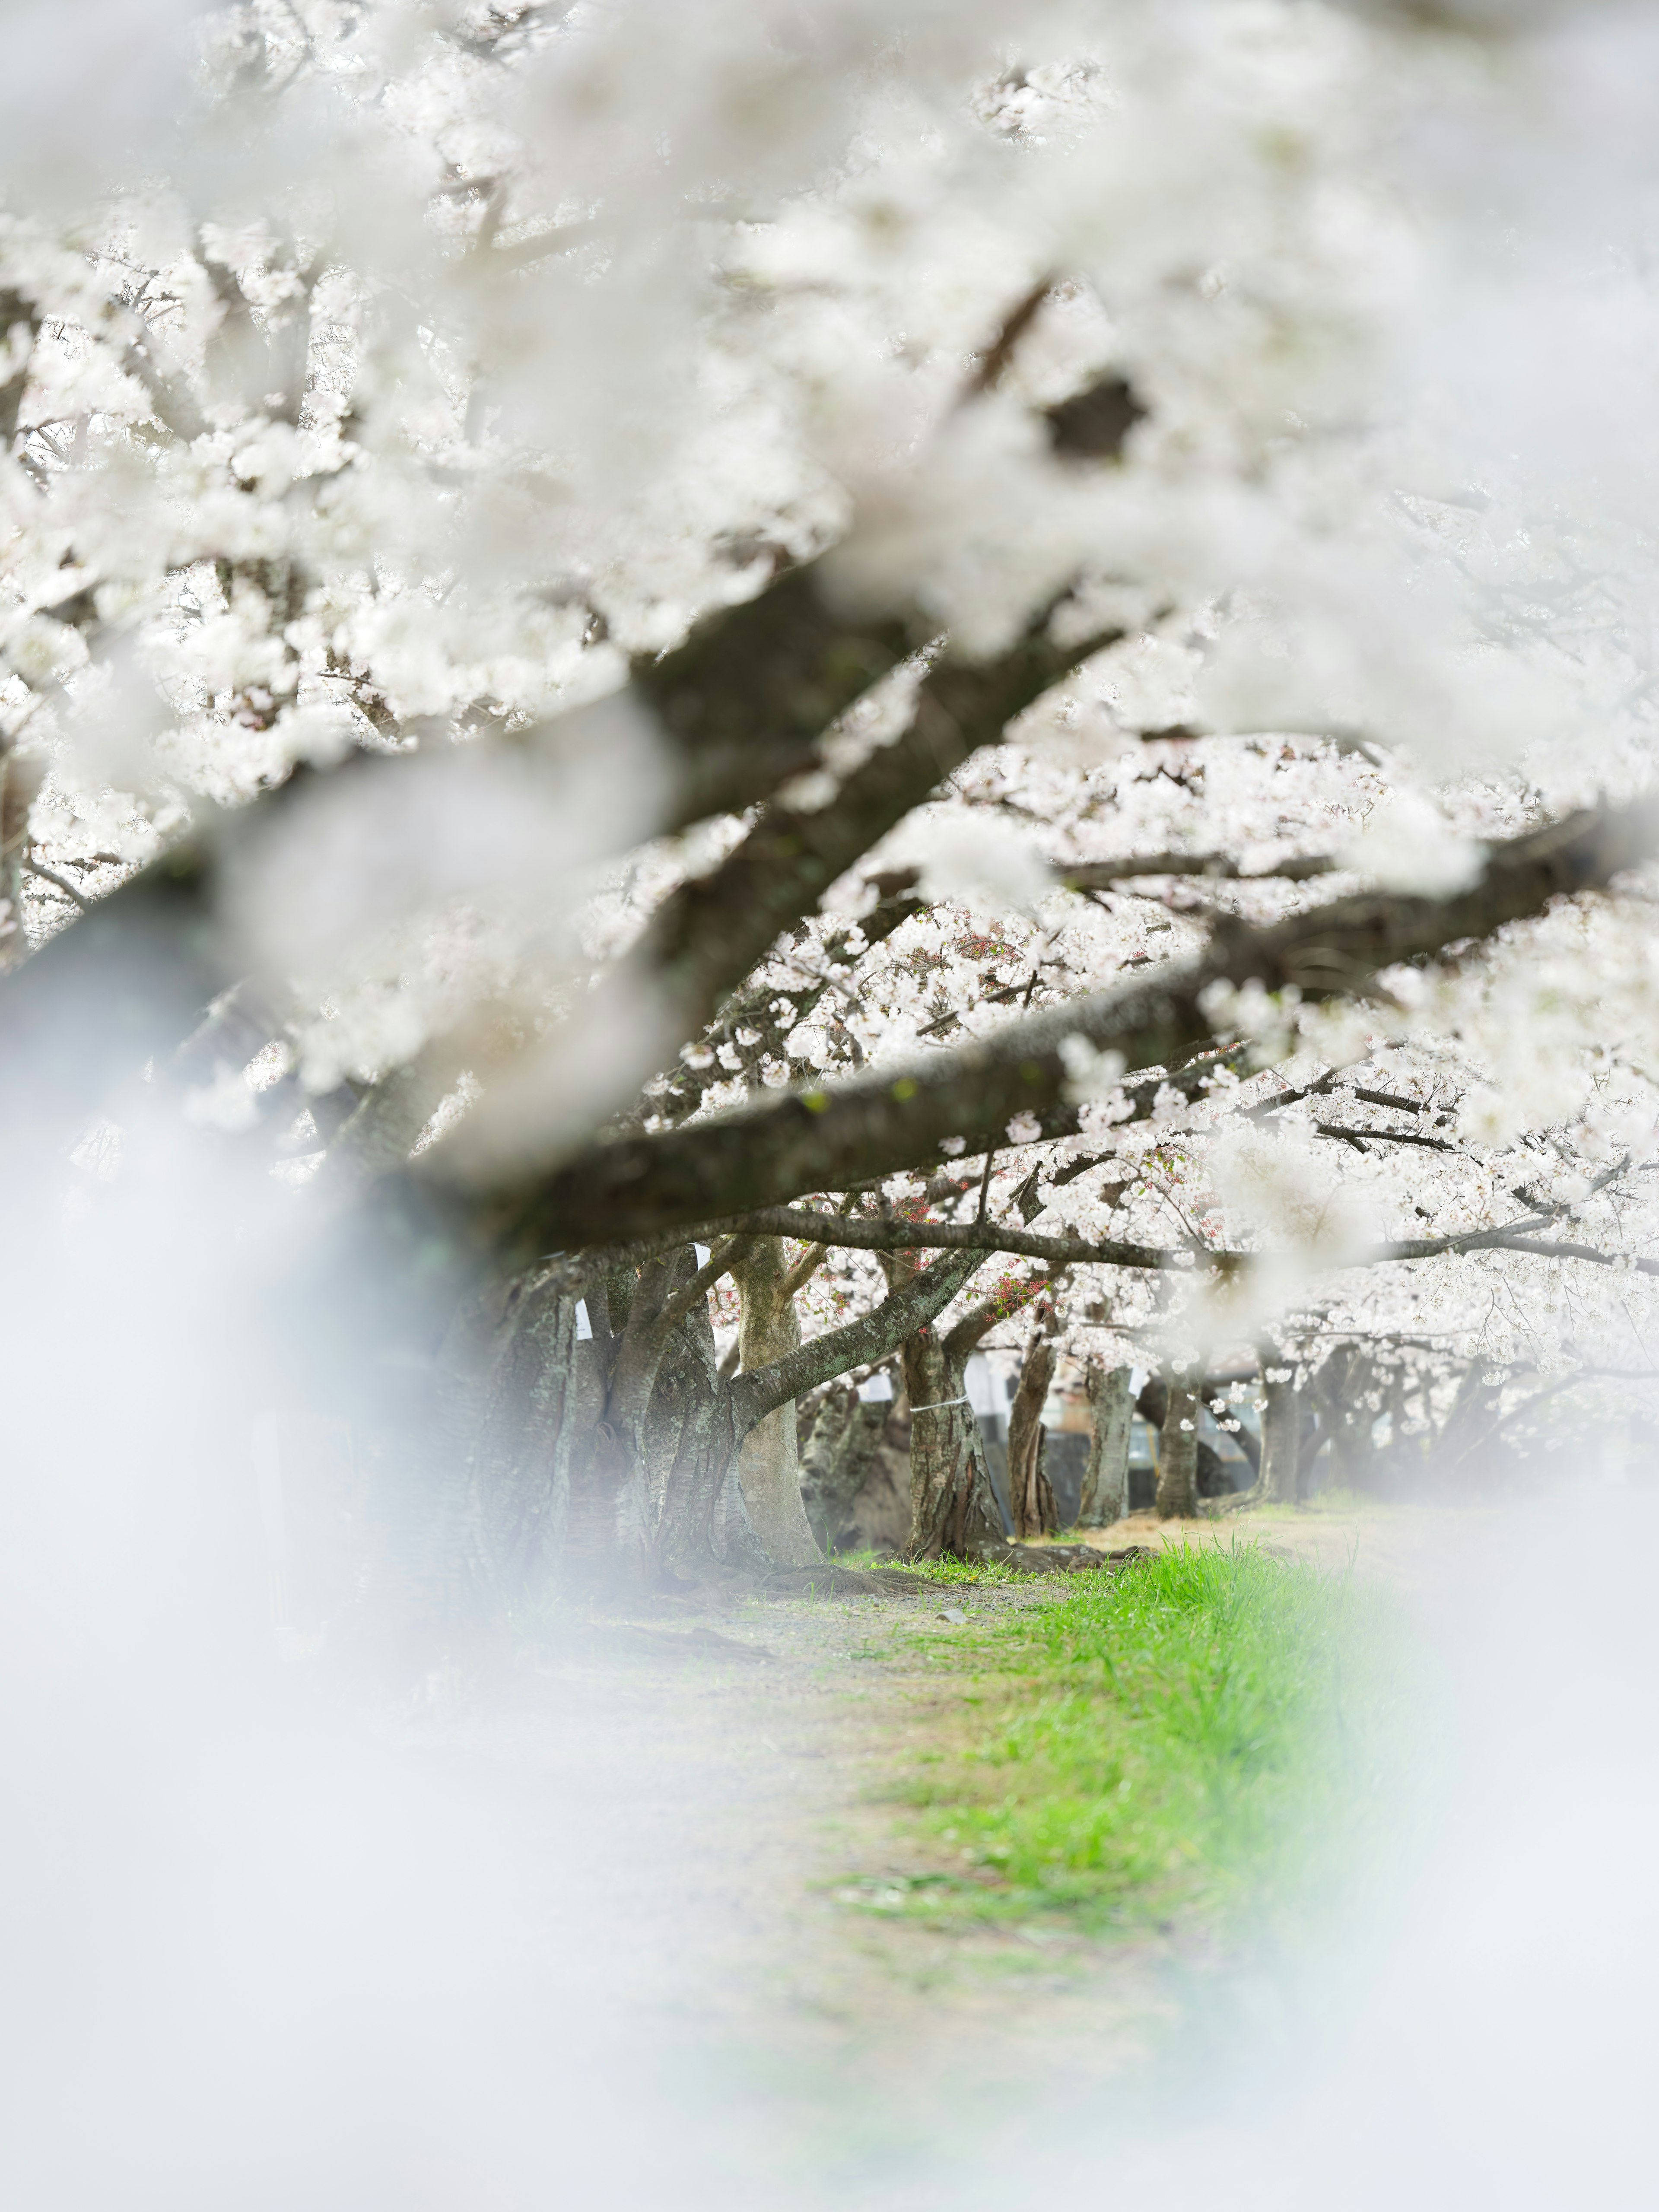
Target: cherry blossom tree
852	637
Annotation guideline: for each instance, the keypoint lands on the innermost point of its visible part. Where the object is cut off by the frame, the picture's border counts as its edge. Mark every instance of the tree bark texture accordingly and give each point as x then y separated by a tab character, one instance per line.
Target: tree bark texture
1177	1453
837	1458
953	1511
1030	1500
768	1461
1106	1478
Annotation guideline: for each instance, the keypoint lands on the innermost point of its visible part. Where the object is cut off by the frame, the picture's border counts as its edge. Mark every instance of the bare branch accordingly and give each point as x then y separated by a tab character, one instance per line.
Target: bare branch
1384	1137
51	876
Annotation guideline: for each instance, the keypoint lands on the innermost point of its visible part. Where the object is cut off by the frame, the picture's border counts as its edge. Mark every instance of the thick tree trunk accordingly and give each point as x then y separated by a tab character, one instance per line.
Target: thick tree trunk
768	1459
953	1511
1030	1501
611	1541
1177	1454
700	1526
837	1458
518	1402
606	1462
1106	1478
1249	1445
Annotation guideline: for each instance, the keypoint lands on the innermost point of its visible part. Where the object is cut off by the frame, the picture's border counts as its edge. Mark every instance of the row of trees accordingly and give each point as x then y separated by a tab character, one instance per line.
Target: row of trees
709	735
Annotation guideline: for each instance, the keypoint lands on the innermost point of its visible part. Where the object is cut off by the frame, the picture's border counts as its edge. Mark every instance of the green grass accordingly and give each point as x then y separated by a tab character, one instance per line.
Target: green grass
1209	1736
948	1573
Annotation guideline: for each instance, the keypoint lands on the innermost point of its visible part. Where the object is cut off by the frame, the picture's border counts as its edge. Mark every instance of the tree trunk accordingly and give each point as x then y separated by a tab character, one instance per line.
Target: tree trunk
1249	1444
1177	1454
837	1458
688	1454
19	780
1153	1403
540	1394
953	1511
1343	1387
1106	1478
769	1458
1030	1501
604	1462
611	1541
1281	1435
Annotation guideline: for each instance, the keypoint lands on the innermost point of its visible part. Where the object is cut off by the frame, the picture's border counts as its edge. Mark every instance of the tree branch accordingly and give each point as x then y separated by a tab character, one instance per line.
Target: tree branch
860	1343
950	1237
816	1140
708	935
1384	1136
744	701
51	876
1504	1240
720	1261
1101	875
981	1319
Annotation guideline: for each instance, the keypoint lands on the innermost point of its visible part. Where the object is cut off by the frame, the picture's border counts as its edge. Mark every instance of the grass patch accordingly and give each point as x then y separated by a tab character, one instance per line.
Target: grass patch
949	1574
1210	1734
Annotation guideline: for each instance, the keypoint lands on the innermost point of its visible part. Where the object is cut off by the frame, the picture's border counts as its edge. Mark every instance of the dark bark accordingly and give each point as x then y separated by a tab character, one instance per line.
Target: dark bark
686	1455
607	1465
828	1139
953	1511
708	935
1472	1426
744	702
518	1412
859	1343
850	1233
1153	1403
19	780
1101	875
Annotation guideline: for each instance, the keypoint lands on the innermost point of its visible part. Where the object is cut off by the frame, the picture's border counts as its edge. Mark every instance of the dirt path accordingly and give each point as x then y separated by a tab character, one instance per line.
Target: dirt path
1399	1544
710	1788
714	1783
